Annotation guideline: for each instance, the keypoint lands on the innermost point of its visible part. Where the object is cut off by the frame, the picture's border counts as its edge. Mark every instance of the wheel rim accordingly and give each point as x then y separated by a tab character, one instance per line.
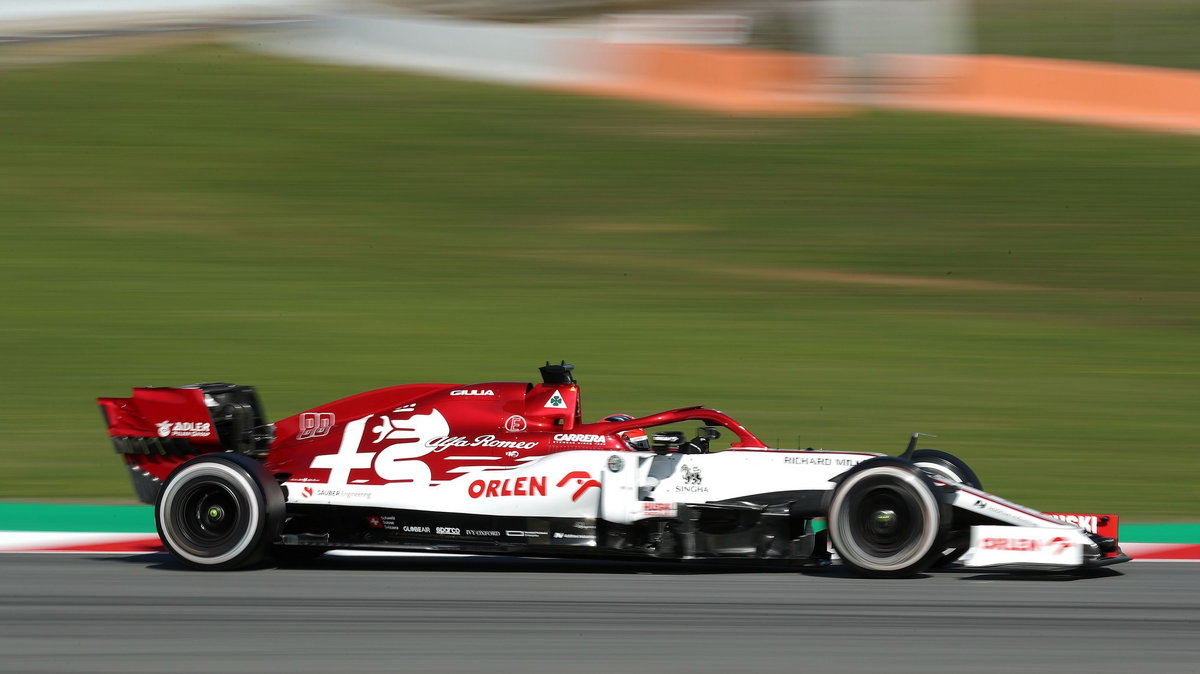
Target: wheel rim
886	520
209	514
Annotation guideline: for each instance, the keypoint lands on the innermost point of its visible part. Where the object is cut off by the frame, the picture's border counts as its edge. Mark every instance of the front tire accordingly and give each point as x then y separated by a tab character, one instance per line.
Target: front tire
946	466
886	519
219	512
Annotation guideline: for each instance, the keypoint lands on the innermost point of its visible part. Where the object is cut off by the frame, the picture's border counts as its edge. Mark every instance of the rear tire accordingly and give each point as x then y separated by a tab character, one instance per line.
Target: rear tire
219	512
886	519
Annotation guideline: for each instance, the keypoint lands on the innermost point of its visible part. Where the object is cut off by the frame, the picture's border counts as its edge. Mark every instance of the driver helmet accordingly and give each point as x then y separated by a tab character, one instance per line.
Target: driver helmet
637	439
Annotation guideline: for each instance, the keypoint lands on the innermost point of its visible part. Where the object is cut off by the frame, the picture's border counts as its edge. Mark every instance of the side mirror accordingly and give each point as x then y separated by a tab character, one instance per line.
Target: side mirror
670	438
709	432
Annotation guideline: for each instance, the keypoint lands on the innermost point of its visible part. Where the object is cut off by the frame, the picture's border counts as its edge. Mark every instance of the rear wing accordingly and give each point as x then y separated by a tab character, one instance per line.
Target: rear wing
157	428
203	416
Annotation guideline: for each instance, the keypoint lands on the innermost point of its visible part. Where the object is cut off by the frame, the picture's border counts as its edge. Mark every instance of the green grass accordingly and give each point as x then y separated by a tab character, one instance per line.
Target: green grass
1145	32
1027	292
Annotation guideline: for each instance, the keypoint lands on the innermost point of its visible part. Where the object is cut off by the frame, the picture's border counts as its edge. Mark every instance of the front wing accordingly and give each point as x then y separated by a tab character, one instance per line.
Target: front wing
1006	535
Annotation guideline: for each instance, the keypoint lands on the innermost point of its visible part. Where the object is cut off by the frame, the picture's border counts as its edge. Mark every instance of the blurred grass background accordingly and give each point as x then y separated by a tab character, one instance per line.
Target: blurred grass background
1026	291
1144	32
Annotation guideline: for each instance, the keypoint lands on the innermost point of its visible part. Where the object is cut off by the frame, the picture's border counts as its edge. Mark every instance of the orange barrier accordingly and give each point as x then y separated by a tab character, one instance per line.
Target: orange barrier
752	82
1157	99
731	80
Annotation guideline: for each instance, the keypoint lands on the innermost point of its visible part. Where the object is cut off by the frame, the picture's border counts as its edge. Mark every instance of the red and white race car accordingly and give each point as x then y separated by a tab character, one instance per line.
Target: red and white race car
510	468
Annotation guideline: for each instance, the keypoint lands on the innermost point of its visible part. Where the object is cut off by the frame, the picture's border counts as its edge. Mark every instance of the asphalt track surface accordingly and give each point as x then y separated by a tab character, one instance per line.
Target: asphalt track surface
144	613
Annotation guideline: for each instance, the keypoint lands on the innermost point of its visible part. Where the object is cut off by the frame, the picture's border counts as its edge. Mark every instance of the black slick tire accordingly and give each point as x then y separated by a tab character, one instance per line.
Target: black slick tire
219	512
946	466
887	519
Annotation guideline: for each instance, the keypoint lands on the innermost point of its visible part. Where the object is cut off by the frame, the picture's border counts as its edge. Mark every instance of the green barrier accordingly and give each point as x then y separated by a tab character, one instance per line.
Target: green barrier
81	518
1188	532
140	519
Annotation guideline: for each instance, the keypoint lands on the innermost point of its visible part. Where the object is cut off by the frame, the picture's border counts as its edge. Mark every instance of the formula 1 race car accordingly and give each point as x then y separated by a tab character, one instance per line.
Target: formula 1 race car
510	468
